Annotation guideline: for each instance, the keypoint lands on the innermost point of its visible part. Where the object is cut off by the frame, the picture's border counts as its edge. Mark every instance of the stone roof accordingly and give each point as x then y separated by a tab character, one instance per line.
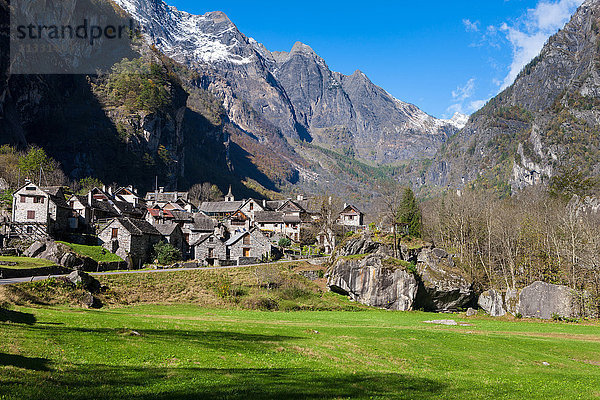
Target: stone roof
268	217
220	206
57	195
183	216
350	209
138	227
166	229
202	239
237	236
203	223
292	219
166	197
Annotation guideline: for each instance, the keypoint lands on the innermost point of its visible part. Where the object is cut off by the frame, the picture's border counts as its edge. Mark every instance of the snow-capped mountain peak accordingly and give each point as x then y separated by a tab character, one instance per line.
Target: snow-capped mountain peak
188	38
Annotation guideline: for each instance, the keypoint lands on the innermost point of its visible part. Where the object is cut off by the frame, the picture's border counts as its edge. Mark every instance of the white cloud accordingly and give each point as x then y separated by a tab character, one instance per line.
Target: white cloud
464	92
528	34
471	26
462	99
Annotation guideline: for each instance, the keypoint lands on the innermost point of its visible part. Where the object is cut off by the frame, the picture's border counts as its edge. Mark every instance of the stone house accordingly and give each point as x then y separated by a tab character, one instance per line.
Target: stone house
161	198
99	205
39	212
251	206
274	222
351	217
237	221
210	249
130	195
131	239
248	247
173	234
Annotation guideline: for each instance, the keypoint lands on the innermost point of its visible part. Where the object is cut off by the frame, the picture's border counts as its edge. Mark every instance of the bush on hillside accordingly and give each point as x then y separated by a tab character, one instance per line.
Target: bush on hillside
166	253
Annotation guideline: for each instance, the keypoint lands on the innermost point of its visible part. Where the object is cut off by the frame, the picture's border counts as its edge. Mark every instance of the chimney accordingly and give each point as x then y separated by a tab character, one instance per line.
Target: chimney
104	188
345	205
89	198
161	189
264	203
300	197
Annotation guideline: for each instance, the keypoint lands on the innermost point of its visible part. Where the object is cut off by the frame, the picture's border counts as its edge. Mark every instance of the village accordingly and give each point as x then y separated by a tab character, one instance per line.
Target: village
214	233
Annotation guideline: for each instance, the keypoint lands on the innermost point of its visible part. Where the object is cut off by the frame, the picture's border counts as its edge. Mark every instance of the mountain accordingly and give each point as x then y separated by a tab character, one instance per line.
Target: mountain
545	124
294	92
207	103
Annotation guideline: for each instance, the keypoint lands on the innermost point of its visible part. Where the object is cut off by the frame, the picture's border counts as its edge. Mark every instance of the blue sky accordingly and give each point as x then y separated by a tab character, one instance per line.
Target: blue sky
444	56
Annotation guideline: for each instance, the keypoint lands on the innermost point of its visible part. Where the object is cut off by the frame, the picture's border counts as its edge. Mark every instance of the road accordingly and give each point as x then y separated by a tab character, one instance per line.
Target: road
144	271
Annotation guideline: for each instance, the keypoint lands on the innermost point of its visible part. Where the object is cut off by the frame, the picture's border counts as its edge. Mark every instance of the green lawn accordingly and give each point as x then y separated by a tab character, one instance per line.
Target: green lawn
97	253
25	262
189	352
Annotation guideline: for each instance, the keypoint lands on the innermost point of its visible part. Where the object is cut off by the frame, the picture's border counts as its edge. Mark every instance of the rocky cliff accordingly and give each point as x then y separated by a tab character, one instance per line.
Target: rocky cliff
547	120
296	92
366	271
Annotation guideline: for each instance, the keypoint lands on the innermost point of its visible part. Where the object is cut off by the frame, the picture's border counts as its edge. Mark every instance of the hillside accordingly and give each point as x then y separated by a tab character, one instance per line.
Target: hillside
544	124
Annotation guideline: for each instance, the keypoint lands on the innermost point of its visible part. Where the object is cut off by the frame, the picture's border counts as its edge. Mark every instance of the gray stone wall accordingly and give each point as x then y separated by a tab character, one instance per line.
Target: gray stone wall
219	250
259	246
20	209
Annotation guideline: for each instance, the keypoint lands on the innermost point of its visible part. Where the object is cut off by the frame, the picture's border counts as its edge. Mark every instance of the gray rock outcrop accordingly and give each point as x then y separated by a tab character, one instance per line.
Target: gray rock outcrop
443	286
491	302
371	282
544	300
87	281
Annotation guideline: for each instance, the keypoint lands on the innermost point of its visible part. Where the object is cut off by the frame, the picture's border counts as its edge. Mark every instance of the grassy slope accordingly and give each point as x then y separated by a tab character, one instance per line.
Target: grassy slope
26	262
97	253
188	352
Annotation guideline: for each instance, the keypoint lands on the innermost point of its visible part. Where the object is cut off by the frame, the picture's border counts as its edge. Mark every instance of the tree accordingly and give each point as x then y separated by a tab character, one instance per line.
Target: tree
166	253
409	213
36	164
86	184
284	242
206	191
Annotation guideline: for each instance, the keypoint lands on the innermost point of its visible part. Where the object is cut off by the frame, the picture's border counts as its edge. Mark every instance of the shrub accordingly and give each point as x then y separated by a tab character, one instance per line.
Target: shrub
166	253
262	303
222	286
284	242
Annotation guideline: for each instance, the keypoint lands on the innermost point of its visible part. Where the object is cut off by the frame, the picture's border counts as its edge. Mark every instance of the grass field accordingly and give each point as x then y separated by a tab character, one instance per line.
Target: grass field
189	352
97	253
25	262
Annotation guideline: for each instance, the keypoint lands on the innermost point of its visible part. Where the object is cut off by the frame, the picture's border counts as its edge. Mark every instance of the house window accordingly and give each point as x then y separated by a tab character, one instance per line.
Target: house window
114	233
251	206
29	229
72	204
37	199
23	199
30	214
186	237
211	239
246	240
246	252
210	253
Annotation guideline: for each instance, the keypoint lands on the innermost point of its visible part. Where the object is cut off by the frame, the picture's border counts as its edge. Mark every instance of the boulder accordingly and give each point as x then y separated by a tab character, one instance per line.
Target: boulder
443	286
54	251
491	302
87	281
511	301
35	249
360	245
71	260
544	300
90	301
371	281
471	312
410	253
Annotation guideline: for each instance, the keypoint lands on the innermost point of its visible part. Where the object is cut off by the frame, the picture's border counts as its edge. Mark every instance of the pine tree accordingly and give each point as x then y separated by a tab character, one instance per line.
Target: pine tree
410	214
